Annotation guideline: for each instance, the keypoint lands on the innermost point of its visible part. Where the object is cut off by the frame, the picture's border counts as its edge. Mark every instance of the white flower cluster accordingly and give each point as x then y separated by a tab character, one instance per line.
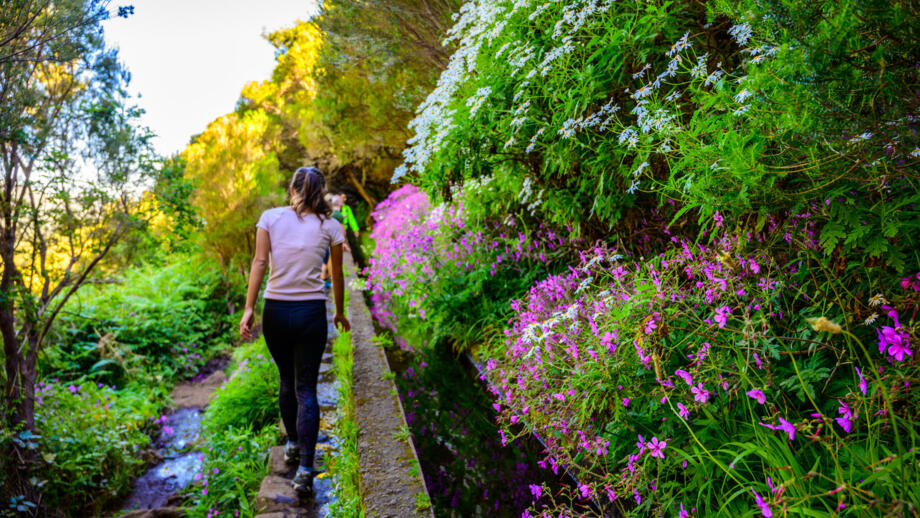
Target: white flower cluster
741	33
476	101
477	22
601	119
546	65
576	14
527	198
520	115
533	140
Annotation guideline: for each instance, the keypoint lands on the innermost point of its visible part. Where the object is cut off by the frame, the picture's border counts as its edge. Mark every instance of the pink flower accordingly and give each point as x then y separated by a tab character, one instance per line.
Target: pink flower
685	376
683	512
682	411
655	447
783	425
764	508
758	395
610	494
863	386
846	419
584	490
722	315
536	490
896	340
700	394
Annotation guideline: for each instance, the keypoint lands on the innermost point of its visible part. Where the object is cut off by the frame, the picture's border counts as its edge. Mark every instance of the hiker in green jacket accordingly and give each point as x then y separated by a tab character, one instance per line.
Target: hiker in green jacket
349	221
352	232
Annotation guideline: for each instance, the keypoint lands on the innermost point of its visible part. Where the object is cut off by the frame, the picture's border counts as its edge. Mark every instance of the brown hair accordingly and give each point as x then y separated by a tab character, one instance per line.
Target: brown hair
307	185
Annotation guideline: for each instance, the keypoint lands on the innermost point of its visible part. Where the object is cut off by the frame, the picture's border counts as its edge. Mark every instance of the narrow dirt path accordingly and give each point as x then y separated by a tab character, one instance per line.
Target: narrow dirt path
386	456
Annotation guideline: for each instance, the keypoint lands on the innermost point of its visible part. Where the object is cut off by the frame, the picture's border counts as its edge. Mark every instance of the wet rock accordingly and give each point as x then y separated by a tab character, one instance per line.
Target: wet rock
276	463
276	494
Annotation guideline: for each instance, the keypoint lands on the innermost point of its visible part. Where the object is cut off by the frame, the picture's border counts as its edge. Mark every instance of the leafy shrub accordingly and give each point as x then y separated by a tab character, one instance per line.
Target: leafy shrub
238	430
746	108
233	467
91	438
435	278
161	320
249	397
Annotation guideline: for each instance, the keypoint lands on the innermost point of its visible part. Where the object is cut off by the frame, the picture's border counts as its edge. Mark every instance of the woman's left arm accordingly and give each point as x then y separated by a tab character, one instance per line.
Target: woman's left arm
256	274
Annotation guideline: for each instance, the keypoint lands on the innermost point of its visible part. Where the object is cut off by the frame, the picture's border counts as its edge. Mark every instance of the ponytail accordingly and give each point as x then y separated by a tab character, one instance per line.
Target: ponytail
307	185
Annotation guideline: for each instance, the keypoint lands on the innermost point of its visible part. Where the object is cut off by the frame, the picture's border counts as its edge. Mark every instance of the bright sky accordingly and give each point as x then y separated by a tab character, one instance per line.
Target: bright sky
189	59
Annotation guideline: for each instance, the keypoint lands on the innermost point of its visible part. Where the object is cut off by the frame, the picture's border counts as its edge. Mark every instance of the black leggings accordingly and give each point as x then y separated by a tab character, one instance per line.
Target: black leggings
295	332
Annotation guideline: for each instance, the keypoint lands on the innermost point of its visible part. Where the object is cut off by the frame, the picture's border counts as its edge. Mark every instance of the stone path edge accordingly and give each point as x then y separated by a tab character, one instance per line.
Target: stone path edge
372	356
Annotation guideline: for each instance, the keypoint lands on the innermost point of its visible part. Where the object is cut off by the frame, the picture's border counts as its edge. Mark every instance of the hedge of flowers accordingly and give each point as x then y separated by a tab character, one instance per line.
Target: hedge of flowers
725	195
438	275
688	384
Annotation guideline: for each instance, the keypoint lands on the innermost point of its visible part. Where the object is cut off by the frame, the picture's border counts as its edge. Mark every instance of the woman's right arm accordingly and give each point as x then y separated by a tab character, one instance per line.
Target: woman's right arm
338	287
256	274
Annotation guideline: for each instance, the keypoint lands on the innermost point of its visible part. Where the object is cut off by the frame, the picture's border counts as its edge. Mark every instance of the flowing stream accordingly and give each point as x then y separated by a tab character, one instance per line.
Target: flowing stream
467	470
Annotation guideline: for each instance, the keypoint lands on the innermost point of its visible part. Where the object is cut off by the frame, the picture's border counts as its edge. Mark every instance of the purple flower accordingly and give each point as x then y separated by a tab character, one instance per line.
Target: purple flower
764	508
758	395
682	411
896	340
683	512
863	386
610	494
640	444
722	315
655	447
584	490
685	376
783	425
846	419
700	394
536	490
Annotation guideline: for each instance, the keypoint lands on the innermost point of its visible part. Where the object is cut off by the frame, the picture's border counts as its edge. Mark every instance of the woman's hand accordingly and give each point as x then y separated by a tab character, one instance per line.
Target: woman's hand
246	324
341	322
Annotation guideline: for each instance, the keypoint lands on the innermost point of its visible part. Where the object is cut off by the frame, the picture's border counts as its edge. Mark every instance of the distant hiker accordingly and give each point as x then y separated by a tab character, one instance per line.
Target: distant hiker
293	240
337	204
352	232
350	222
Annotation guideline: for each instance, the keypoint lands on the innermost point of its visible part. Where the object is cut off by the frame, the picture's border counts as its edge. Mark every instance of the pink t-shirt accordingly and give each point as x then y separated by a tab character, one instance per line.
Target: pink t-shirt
298	245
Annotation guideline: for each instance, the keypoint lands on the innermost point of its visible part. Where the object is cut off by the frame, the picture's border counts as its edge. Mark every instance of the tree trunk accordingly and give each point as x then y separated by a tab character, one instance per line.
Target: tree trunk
371	202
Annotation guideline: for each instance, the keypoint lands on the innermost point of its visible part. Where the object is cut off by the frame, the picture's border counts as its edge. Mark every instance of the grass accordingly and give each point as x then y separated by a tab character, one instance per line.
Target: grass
343	465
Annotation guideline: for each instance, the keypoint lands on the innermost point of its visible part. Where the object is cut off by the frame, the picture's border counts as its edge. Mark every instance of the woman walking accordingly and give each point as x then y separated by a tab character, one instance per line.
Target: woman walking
294	240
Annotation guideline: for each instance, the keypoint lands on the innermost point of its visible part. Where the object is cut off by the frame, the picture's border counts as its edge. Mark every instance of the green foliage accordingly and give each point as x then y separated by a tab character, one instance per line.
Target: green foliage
249	397
91	438
238	428
234	464
164	320
343	464
736	110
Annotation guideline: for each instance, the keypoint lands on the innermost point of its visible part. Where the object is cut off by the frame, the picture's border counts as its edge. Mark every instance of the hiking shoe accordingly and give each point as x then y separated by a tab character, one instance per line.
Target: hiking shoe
291	453
303	481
